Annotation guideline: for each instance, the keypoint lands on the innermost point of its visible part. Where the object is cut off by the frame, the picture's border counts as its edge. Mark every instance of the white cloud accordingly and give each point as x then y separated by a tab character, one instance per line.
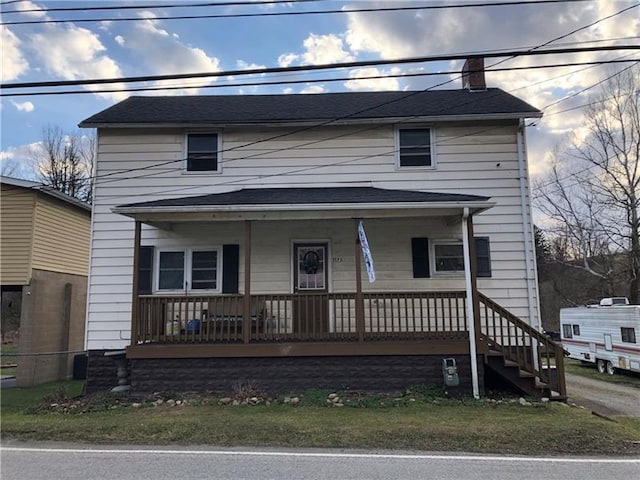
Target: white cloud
168	55
119	39
322	49
318	50
14	62
242	65
313	89
18	161
24	106
287	59
27	5
386	83
75	53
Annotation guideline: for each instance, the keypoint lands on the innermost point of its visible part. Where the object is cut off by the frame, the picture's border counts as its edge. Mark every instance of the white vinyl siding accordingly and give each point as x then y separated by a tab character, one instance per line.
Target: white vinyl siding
477	160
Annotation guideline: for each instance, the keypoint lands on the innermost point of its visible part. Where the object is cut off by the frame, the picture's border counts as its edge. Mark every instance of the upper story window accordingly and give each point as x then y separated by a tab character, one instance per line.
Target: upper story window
202	152
414	147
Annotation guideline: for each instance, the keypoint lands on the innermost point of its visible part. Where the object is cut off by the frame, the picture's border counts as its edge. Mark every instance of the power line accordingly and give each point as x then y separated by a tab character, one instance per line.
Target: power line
279	14
319	125
153	6
305	80
636	62
302	68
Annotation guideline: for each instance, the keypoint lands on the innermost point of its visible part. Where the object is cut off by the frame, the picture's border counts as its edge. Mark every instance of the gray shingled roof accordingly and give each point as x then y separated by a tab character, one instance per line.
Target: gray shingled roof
248	109
296	196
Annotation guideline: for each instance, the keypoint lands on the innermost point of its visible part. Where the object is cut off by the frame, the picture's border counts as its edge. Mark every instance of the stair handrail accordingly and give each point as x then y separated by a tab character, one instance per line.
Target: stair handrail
550	347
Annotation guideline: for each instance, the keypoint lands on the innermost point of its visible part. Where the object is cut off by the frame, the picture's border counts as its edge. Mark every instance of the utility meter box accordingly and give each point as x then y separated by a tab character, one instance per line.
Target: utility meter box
450	372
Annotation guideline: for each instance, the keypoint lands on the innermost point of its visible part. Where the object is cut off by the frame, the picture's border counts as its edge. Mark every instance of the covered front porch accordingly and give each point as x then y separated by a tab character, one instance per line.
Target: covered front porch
314	314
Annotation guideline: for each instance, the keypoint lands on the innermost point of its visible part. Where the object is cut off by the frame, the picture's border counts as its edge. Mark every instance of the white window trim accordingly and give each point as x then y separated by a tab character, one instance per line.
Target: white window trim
188	252
185	152
432	138
432	255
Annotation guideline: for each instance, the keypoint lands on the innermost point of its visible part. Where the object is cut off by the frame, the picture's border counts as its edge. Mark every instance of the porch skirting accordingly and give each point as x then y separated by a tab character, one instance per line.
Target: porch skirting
295	374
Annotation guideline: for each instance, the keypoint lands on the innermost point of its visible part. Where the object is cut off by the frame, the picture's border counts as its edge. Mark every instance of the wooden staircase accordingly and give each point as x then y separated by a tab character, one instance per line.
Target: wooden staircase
522	356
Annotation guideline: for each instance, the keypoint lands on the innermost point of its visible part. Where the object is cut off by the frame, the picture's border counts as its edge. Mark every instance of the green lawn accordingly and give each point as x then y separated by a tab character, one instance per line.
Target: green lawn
418	421
589	370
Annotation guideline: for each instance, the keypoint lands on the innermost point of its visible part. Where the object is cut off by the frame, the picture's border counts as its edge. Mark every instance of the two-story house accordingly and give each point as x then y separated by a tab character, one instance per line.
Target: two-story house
44	261
228	234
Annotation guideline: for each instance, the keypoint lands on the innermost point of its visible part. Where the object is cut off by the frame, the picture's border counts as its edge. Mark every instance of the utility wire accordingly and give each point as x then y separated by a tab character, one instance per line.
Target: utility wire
280	14
331	66
636	62
154	6
325	123
304	80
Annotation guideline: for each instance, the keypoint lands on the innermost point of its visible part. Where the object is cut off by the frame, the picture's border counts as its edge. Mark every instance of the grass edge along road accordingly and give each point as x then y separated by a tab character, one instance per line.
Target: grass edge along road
419	420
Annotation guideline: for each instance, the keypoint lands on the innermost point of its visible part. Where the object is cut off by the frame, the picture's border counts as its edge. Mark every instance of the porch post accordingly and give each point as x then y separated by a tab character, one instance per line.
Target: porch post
134	289
473	268
359	297
246	320
473	317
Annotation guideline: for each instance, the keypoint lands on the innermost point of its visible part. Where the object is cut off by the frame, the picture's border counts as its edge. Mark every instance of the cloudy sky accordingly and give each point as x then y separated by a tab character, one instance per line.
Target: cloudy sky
152	45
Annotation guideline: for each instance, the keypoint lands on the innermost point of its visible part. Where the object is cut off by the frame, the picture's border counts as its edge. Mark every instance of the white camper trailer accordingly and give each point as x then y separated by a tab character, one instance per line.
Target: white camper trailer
607	334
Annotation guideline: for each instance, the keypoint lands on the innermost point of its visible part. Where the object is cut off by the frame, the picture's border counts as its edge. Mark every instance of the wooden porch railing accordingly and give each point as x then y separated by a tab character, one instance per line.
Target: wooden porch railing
298	317
518	342
331	317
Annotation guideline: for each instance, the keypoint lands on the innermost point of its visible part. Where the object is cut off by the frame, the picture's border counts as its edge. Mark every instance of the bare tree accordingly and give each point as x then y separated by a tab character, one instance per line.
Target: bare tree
65	162
592	193
9	167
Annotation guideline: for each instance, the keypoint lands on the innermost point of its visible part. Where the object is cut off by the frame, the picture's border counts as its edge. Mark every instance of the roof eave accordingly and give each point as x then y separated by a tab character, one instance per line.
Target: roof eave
342	210
46	190
284	123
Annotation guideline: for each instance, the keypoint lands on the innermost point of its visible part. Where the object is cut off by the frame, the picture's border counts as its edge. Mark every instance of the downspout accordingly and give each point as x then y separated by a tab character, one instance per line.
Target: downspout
469	296
527	228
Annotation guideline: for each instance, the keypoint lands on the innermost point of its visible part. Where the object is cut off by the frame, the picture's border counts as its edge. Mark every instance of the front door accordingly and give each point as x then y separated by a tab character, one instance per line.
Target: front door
310	284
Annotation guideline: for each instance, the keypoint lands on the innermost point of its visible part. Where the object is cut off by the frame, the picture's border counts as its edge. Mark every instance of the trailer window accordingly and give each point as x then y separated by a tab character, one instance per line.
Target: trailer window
576	330
628	334
567	332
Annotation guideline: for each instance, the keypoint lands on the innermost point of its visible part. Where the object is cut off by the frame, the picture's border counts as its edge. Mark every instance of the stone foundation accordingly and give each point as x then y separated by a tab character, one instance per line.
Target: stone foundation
287	374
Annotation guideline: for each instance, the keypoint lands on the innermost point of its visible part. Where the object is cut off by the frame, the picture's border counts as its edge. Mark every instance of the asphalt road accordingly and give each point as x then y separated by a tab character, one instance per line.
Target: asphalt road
605	398
69	462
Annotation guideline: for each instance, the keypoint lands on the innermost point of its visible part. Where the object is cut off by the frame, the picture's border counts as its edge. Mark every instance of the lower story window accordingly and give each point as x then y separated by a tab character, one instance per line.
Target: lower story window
567	331
449	257
204	270
188	269
171	271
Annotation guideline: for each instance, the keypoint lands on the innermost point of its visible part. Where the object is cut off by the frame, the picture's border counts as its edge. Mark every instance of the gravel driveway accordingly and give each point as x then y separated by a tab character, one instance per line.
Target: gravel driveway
603	397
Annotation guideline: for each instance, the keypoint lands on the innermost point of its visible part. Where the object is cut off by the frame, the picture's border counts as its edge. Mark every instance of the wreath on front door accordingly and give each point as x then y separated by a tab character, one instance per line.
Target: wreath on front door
310	262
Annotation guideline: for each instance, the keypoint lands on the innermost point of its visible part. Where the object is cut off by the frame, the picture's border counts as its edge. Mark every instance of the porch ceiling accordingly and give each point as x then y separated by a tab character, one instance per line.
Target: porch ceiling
304	203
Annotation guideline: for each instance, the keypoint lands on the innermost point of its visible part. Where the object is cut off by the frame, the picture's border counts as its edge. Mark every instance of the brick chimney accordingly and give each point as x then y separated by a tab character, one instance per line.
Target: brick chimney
473	74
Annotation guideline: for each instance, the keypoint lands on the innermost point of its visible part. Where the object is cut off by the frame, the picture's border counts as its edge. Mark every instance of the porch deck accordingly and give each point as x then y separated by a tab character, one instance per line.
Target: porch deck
343	324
